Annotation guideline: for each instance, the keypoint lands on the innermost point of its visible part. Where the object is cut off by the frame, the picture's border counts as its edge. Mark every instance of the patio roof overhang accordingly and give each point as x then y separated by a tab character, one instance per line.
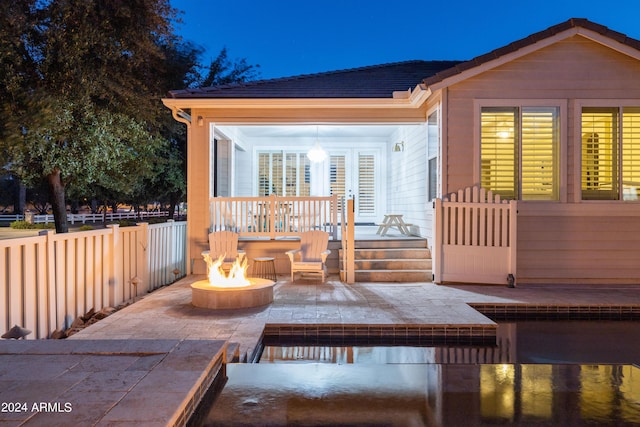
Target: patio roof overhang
406	106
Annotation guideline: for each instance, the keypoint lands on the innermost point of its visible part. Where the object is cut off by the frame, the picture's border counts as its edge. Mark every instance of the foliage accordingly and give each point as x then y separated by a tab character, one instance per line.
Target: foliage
24	225
222	71
80	89
85	228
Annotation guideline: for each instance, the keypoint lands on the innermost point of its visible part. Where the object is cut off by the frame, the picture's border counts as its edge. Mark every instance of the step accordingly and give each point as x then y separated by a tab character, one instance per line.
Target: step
393	253
233	353
394	264
393	276
390	243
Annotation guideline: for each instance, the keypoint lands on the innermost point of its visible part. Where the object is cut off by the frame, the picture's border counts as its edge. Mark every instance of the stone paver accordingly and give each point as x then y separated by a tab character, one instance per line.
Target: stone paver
168	313
106	382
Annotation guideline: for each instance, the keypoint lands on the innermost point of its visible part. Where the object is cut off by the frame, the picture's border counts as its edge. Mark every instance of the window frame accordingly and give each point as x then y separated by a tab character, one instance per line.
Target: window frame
581	104
301	170
561	105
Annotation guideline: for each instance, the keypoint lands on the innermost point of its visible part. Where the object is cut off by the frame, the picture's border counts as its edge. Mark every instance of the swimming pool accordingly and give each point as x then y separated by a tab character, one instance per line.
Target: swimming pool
549	342
547	374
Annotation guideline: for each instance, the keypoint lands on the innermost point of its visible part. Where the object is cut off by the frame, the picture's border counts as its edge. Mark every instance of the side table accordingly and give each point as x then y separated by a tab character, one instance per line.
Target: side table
265	268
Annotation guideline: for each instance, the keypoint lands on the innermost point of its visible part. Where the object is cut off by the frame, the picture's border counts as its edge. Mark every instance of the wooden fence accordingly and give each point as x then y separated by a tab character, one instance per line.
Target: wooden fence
475	238
272	216
46	281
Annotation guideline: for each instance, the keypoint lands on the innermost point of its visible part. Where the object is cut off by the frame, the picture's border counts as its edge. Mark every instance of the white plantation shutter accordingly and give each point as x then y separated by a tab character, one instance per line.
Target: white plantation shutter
337	175
498	144
539	168
366	185
631	153
599	153
519	154
283	173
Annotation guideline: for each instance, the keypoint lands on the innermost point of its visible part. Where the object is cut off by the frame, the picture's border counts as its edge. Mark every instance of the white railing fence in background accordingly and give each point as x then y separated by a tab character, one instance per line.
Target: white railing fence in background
84	218
47	281
272	216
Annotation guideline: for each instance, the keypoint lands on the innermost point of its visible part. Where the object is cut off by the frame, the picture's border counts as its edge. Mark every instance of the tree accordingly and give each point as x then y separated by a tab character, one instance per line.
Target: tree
222	71
80	91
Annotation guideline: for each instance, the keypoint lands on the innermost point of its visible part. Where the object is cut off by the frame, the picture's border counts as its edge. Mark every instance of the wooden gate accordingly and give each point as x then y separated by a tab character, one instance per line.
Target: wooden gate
475	238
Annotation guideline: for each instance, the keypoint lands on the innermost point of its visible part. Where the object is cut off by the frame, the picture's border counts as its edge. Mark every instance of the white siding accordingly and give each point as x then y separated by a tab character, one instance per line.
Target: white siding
408	179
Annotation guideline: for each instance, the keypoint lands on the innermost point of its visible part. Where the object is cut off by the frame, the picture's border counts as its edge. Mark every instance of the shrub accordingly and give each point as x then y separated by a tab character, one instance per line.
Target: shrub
21	225
24	225
85	228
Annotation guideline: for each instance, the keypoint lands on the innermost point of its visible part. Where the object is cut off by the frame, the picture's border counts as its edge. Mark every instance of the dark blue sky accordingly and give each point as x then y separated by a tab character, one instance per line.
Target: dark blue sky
292	37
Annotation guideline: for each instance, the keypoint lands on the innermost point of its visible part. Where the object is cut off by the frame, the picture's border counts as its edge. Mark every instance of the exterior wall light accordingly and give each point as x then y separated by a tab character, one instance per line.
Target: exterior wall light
398	147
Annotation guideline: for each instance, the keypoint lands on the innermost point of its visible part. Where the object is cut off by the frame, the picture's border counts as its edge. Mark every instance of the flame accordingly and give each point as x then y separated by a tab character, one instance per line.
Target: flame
236	278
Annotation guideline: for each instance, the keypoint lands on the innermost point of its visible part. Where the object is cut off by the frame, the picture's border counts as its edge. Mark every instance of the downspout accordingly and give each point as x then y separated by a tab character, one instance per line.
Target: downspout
181	116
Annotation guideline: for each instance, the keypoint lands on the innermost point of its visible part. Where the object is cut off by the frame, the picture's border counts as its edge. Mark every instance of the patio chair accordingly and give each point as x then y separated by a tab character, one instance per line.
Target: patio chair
224	243
312	255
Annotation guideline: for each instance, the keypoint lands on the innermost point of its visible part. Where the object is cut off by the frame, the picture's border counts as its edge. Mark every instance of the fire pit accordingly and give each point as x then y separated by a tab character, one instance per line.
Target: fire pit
235	290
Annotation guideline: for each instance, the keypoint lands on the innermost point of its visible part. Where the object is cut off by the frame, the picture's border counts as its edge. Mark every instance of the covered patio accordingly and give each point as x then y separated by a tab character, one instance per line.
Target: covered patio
377	144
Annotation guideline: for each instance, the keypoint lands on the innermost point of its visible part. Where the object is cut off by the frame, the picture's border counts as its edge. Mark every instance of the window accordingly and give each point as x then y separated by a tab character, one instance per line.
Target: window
519	152
283	173
610	153
433	144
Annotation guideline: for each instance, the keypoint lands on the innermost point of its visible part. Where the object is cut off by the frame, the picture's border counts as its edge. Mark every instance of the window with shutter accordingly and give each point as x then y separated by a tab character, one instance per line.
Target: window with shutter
283	173
366	184
518	149
610	153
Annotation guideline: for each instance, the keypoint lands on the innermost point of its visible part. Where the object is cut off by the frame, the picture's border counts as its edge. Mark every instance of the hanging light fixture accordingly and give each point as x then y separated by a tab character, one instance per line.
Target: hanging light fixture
317	154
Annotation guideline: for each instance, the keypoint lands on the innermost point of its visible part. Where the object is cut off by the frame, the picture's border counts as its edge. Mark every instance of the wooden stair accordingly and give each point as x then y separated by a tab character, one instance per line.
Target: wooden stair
392	260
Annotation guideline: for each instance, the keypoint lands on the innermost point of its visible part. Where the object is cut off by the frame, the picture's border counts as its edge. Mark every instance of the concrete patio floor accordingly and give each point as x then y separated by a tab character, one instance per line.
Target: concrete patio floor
168	313
160	347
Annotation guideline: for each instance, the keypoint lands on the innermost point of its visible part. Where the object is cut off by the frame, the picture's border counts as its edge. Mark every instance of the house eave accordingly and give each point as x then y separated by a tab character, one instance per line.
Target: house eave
414	100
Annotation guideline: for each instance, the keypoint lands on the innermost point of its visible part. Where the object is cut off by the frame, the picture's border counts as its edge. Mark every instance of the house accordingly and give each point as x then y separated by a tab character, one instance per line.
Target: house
551	121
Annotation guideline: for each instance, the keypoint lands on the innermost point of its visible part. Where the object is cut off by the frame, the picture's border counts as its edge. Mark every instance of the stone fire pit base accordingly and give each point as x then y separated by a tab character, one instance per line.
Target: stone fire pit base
204	295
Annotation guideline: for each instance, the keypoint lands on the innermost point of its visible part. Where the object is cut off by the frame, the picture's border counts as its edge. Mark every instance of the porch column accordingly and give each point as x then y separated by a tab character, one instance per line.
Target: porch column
198	190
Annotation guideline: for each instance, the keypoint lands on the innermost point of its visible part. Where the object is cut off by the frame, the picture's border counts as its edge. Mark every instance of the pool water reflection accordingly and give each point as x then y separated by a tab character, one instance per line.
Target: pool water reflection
591	381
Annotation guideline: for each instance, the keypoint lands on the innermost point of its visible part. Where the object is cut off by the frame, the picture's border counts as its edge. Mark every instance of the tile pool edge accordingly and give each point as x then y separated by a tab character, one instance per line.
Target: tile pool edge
510	311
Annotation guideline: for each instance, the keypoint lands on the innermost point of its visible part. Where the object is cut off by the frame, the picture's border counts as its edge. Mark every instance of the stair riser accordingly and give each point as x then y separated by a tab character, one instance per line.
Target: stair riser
392	254
387	244
400	264
393	276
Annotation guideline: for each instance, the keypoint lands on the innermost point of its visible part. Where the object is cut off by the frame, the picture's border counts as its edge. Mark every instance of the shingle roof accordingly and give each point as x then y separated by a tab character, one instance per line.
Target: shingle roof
530	40
379	81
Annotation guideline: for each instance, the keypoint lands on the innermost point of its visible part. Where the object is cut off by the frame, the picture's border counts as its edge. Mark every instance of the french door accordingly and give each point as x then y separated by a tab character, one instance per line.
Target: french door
357	173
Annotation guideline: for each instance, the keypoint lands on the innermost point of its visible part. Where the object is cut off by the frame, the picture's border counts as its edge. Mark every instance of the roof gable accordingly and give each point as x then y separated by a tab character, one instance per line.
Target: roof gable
535	41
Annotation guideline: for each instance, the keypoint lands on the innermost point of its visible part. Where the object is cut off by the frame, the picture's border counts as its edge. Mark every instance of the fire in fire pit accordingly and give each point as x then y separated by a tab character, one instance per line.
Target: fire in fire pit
237	277
230	291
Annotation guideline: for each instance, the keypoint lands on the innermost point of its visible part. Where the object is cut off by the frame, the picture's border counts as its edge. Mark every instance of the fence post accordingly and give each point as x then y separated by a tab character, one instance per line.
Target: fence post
513	236
142	257
436	255
351	265
115	267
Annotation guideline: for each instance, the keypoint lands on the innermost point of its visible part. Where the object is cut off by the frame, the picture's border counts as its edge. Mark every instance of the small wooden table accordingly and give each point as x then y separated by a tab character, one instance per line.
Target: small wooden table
265	268
393	221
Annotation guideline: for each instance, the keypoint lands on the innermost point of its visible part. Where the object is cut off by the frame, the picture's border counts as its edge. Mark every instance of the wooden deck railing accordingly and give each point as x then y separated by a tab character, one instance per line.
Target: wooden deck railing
273	216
